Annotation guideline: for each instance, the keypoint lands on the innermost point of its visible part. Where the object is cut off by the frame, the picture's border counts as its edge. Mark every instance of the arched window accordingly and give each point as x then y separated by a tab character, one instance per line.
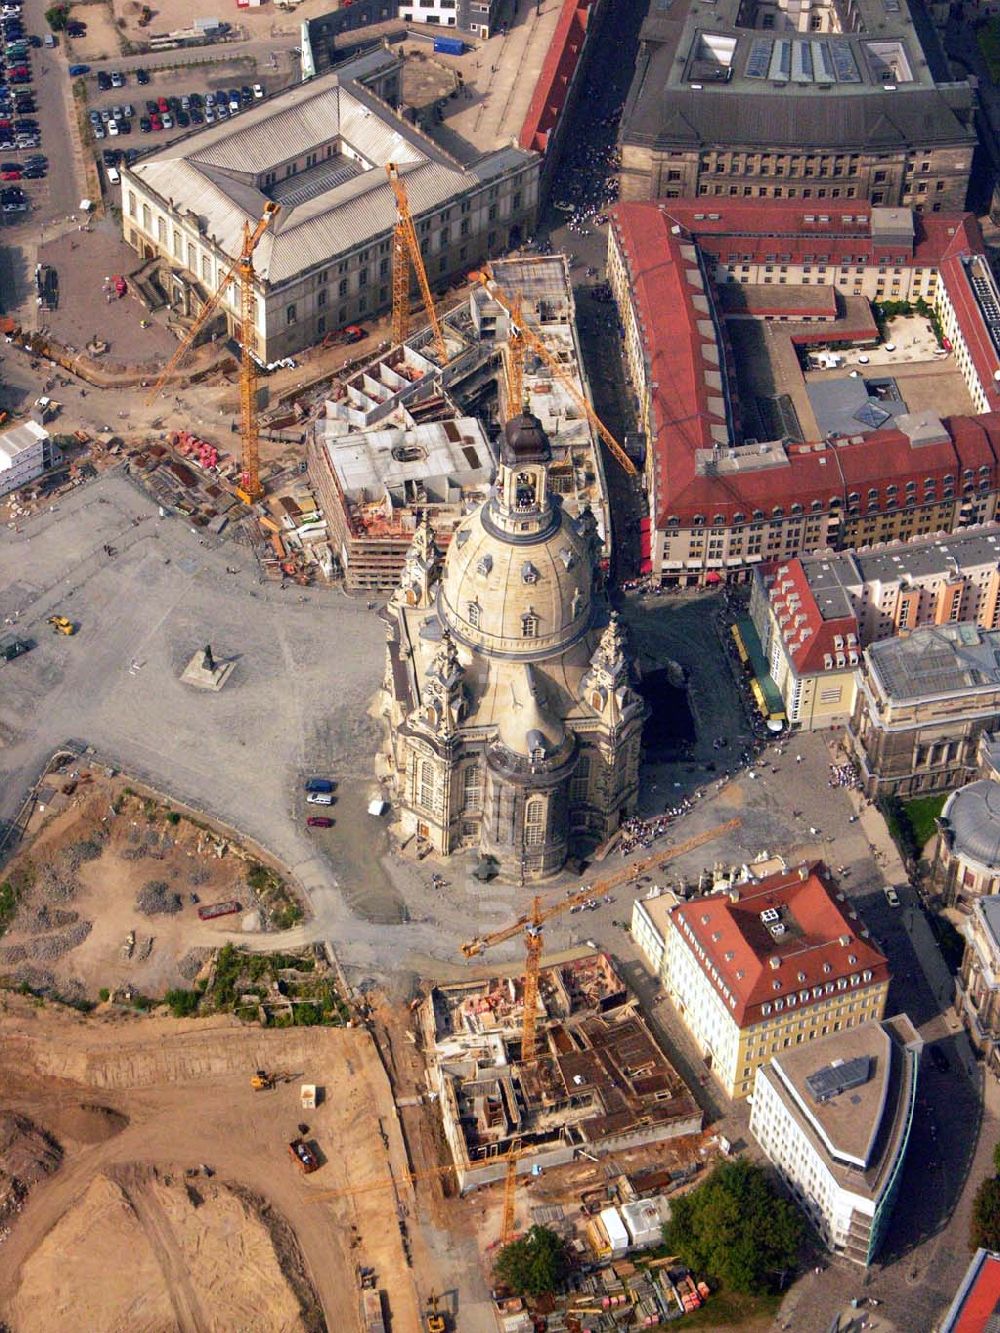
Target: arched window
535	810
474	611
473	790
529	625
425	795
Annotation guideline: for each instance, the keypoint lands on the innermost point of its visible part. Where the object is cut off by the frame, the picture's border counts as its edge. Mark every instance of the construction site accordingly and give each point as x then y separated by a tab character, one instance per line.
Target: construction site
598	1083
399	438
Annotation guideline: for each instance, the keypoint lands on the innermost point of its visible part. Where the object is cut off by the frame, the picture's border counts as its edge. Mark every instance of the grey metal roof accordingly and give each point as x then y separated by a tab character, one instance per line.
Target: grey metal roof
213	172
973	818
845	407
943	659
708	79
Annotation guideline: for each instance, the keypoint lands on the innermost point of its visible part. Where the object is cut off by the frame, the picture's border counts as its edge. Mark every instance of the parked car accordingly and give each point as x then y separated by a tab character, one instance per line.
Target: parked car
320	784
13	648
145	125
319	798
162	105
118	79
142	76
168	122
891	896
319	821
114	176
258	91
34	173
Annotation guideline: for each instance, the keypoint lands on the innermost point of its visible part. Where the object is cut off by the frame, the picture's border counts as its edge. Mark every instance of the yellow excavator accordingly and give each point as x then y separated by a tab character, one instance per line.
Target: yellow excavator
262	1080
434	1321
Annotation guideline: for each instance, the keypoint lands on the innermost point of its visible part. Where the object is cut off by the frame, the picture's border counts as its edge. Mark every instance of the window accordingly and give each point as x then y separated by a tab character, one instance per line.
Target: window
472	790
474	611
529	625
426	793
342	287
534	821
321	297
291	315
580	785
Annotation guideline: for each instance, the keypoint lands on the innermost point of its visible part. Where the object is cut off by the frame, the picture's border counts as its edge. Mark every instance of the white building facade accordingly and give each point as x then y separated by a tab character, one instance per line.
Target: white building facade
25	453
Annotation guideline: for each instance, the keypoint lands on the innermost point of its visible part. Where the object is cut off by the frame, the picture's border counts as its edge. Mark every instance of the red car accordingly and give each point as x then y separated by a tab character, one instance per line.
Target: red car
319	821
163	105
10	175
156	122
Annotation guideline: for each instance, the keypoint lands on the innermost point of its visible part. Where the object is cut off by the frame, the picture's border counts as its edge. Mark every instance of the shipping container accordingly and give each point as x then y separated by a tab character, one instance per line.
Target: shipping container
448	46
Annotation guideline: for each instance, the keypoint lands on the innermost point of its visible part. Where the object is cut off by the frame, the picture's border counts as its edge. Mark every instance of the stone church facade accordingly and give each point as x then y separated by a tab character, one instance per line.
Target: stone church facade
513	724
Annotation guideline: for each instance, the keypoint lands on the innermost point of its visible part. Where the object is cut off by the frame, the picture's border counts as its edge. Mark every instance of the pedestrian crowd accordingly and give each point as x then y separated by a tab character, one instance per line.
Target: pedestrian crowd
845	775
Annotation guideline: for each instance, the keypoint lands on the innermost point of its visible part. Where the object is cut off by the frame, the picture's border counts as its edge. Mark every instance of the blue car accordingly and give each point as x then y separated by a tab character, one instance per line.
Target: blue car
78	69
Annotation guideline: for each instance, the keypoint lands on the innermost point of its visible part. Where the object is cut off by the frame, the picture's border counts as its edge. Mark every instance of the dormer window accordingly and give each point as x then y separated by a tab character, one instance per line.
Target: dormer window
529	574
484	564
473	612
529	625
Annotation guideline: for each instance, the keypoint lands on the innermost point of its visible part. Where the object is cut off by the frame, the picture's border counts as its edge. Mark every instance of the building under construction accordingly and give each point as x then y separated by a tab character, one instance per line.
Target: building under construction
599	1083
373	510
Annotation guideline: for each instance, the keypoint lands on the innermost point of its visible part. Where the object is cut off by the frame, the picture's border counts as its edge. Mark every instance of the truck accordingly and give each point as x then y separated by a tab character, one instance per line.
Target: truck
448	46
301	1152
372	1316
307	1095
11	648
211	910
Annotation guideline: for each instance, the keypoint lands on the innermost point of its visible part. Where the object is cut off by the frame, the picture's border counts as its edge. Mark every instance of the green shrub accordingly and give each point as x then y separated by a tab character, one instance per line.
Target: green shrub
104	995
183	1003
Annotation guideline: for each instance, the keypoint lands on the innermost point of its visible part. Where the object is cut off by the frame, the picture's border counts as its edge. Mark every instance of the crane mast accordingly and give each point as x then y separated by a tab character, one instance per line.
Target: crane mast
523	337
241	271
406	245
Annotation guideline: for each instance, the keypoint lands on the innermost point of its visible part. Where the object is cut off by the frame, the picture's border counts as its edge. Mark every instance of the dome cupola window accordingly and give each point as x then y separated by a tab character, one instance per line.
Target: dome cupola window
529	574
526	492
484	565
474	612
529	625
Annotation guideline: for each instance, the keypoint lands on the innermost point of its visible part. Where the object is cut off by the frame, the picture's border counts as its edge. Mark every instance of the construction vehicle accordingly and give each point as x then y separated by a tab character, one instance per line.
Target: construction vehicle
61	625
530	923
406	246
241	272
434	1320
523	337
264	1079
304	1155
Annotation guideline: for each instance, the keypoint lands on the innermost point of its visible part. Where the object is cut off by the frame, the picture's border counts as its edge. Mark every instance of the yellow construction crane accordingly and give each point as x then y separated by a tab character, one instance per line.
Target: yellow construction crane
522	337
509	1194
530	923
406	246
241	271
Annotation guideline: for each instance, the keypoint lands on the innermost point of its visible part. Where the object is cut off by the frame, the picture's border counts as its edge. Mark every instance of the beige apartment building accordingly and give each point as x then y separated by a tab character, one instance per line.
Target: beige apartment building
765	967
814	614
977	986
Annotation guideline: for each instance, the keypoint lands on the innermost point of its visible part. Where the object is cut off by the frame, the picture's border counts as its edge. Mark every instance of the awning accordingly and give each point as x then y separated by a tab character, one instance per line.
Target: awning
741	648
645	566
713	577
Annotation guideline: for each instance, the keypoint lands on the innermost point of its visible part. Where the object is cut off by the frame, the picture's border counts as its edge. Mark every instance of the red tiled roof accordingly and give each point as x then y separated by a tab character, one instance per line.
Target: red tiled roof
977	337
556	76
981	1306
812	642
652	237
821	945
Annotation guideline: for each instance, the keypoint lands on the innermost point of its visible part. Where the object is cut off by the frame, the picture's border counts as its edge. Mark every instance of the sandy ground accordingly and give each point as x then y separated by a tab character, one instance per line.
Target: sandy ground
256	1246
101	41
136	852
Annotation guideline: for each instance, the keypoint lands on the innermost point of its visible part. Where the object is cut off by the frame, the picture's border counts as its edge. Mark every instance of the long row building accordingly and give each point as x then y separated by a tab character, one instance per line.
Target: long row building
749	458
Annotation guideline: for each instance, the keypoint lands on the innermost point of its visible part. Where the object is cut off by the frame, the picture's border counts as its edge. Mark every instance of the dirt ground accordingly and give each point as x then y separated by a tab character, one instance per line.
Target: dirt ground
73	925
137	1105
102	41
265	21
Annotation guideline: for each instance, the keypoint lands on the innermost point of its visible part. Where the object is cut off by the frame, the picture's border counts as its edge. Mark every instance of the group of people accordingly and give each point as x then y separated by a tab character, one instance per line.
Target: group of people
638	832
845	775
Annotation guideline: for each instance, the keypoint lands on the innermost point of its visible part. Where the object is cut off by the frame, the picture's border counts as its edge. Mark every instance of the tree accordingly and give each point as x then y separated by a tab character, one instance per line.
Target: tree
735	1227
533	1265
986	1215
996	1160
57	17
